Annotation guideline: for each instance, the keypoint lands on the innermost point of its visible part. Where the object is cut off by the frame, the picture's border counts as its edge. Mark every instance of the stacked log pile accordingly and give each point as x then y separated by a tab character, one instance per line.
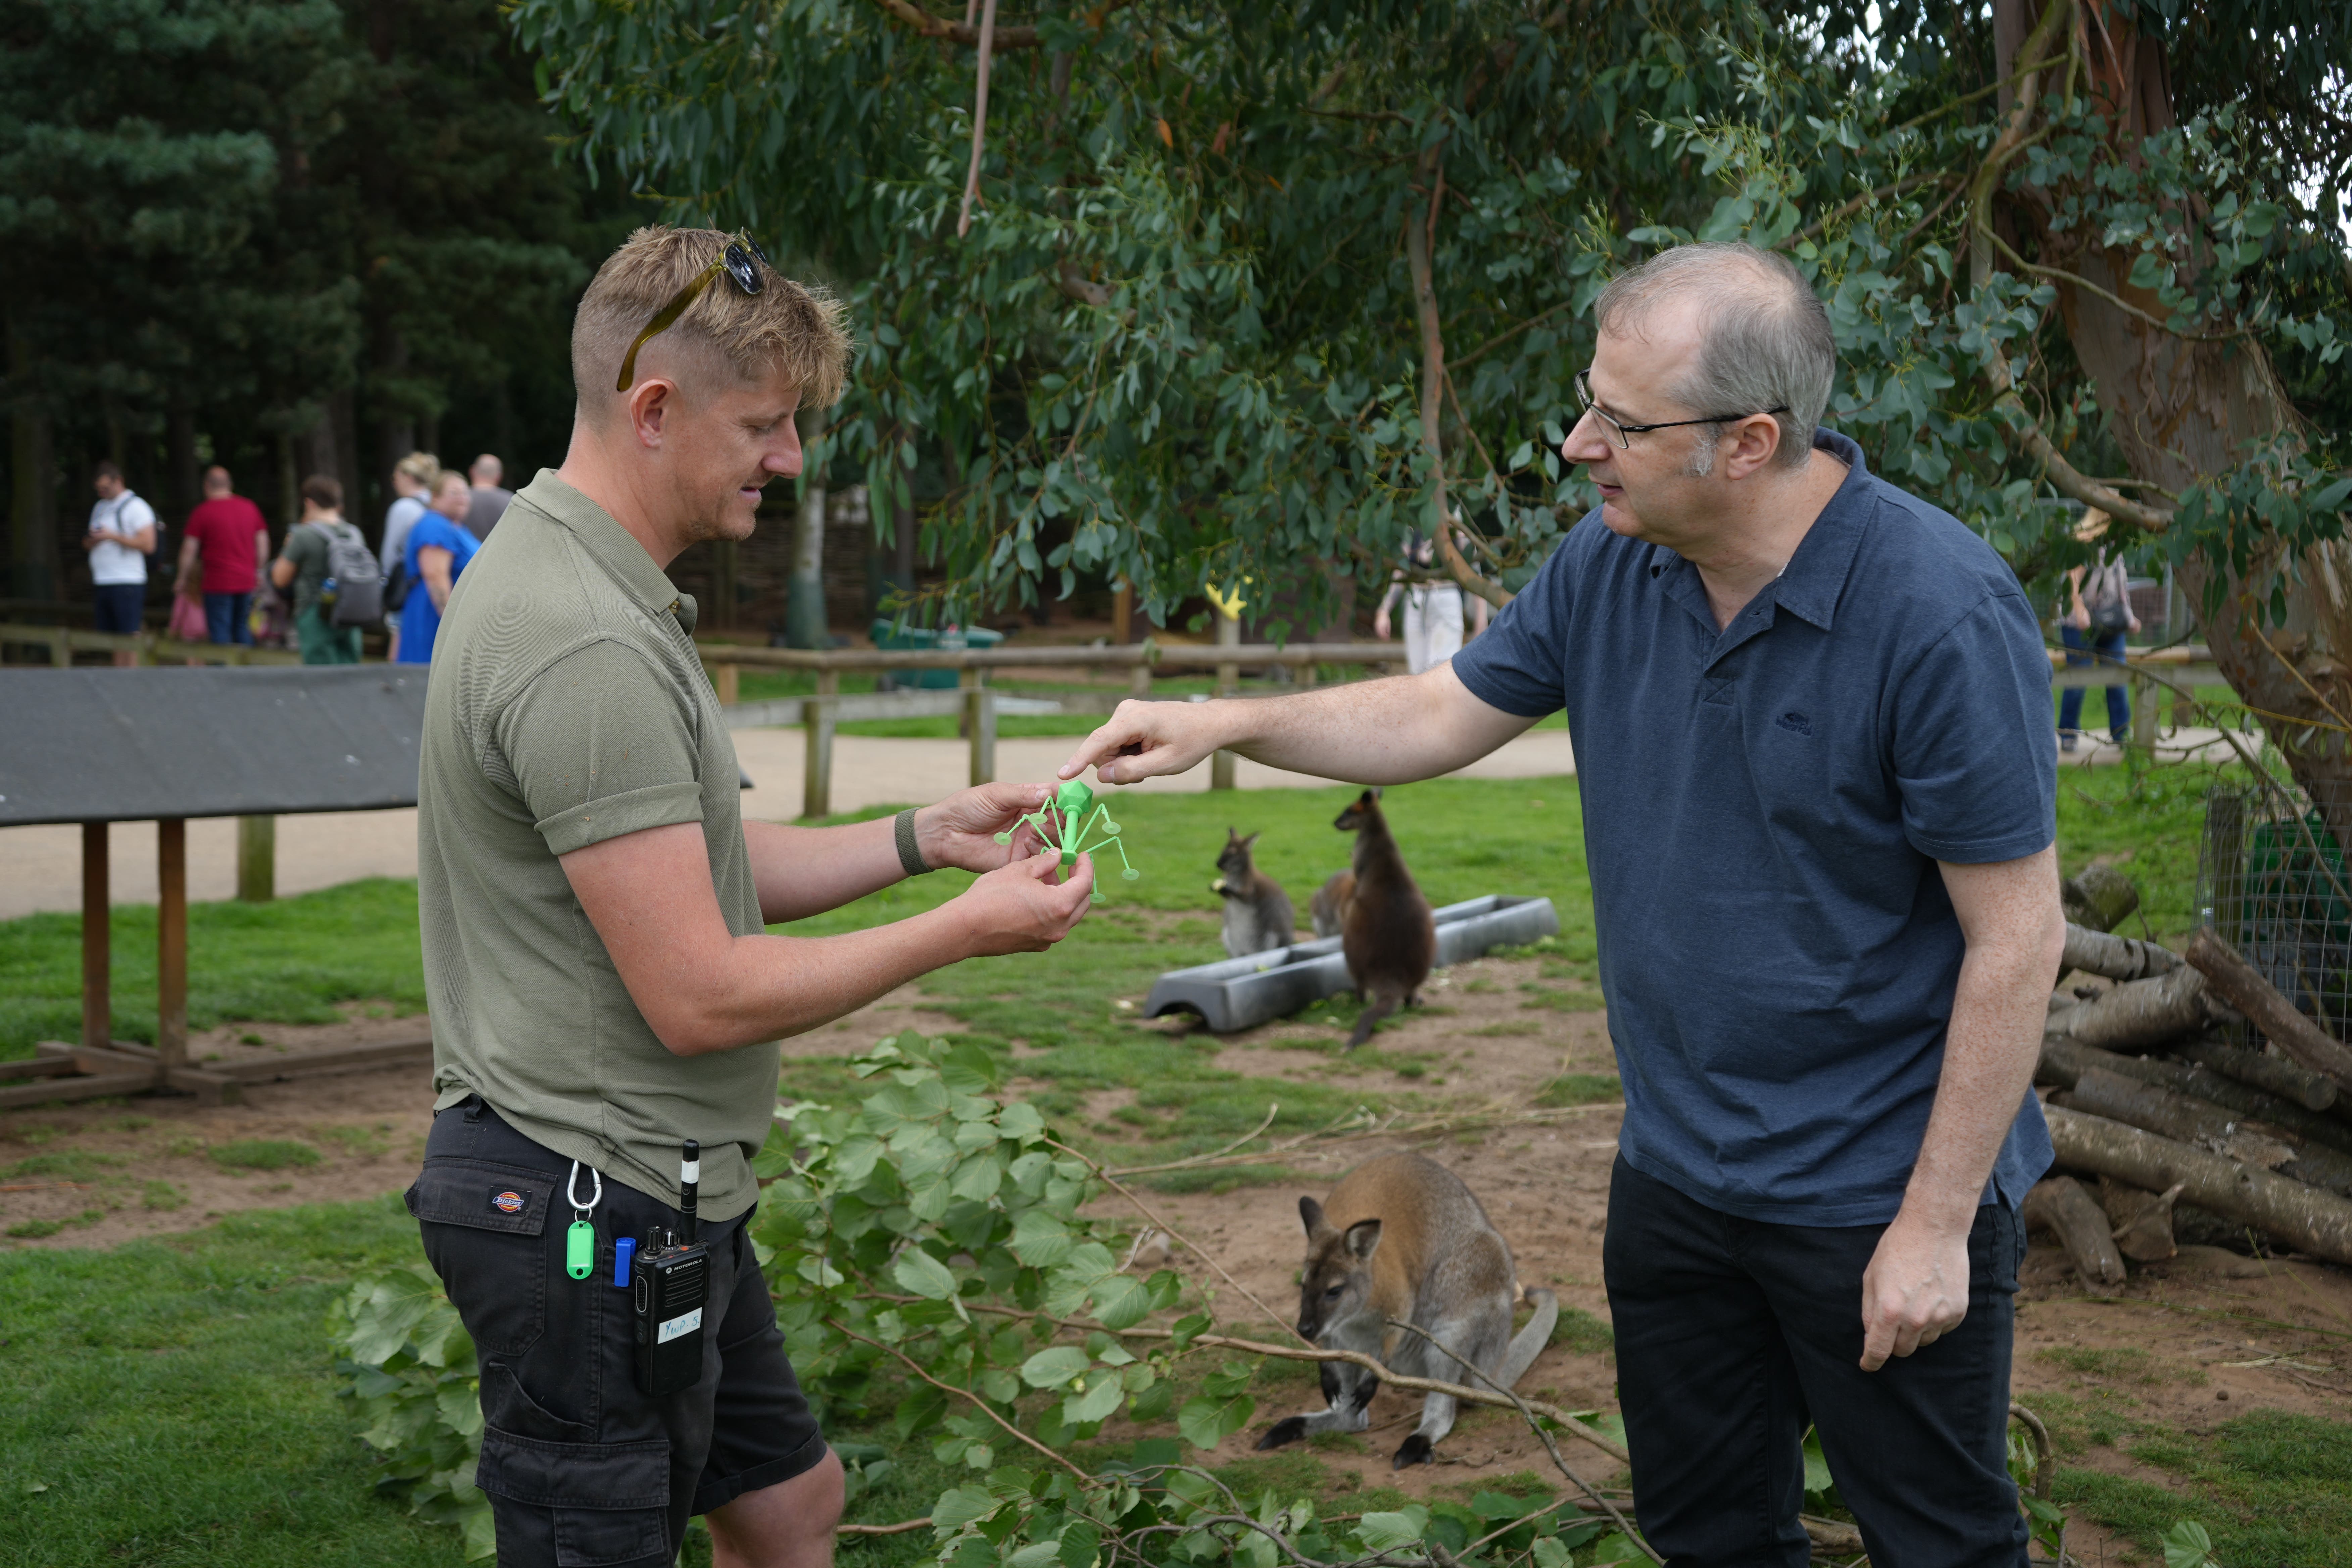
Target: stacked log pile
2165	1130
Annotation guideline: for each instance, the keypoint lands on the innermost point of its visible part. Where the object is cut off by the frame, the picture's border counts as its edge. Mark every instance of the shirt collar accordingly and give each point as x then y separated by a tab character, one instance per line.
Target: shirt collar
614	545
1811	585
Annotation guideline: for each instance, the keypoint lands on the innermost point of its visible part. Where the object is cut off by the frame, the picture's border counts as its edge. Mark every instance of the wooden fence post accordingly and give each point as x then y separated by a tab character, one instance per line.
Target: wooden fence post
1139	680
97	940
820	718
729	680
980	723
257	859
1229	635
172	942
2143	702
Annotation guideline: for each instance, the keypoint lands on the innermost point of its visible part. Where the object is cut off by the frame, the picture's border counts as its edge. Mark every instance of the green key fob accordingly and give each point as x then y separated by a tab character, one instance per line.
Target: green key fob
579	1249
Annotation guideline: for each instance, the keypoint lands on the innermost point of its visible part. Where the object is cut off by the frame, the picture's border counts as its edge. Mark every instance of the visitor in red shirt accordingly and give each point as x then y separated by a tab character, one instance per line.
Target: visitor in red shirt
224	530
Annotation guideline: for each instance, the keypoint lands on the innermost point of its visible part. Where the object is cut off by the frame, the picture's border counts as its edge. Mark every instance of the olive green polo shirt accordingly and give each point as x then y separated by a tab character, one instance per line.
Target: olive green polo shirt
567	707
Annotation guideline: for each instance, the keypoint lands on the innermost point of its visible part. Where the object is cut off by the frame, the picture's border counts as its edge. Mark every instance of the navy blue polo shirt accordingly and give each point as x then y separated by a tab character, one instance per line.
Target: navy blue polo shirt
1764	806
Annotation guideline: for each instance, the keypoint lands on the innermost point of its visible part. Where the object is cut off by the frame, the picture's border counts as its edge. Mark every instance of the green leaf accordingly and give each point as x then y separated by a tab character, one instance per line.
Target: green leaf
1052	1367
2187	1545
959	1506
920	1273
1206	1423
1122	1301
1097	1404
1385	1531
1616	1547
1040	1240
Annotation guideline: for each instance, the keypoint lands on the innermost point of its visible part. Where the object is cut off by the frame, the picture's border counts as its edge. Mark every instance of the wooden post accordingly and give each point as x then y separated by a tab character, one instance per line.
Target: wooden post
1122	613
728	679
1229	635
819	721
2143	706
980	723
257	859
97	949
1139	680
172	942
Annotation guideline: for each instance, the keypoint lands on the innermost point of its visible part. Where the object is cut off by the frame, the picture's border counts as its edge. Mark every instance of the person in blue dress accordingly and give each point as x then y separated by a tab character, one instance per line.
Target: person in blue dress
439	545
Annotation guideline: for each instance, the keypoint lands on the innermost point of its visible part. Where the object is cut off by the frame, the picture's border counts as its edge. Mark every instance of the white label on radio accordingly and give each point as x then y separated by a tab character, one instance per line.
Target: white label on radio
684	1324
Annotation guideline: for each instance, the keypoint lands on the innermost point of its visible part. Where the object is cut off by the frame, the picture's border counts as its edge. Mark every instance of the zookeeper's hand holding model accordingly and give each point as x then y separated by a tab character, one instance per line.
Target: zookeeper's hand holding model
603	994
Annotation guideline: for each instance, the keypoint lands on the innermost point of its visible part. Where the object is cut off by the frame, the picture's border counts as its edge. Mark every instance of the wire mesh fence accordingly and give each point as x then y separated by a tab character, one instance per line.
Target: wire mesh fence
2272	882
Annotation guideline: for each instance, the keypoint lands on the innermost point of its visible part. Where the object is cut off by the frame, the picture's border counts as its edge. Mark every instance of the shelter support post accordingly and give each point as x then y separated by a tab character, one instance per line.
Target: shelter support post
980	724
257	859
172	942
97	939
822	716
1229	635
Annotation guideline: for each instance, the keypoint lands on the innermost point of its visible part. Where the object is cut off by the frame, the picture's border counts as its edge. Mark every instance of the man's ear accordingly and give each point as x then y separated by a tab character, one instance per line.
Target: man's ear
649	403
1755	440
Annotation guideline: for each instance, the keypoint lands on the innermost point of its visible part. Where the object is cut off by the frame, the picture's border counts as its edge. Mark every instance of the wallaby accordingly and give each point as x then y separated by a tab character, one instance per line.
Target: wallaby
1403	1238
1329	908
1387	933
1259	916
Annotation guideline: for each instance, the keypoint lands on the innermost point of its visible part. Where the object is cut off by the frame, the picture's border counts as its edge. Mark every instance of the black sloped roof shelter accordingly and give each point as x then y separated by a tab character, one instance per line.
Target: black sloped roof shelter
101	746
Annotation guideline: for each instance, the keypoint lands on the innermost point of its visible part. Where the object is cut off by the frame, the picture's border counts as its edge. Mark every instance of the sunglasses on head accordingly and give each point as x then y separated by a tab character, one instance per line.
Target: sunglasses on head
741	259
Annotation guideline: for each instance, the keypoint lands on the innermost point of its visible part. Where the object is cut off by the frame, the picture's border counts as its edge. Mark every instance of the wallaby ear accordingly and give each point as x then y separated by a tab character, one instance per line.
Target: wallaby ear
1249	843
1376	791
1364	1239
1310	1215
1231	836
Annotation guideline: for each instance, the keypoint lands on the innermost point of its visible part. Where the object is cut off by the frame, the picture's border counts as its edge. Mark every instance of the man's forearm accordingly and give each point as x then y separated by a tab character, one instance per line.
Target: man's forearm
770	987
1373	731
1990	1052
804	871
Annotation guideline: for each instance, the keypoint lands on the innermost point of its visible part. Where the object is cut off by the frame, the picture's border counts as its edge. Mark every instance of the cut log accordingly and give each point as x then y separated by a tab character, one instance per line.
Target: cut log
2243	985
2304	1217
2272	1075
2099	898
2114	957
2063	1059
2137	1013
2062	1206
2199	1121
2141	1222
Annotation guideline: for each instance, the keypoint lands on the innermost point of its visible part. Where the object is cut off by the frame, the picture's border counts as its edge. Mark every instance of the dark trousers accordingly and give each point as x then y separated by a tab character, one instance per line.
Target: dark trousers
2079	645
117	606
228	619
1733	1334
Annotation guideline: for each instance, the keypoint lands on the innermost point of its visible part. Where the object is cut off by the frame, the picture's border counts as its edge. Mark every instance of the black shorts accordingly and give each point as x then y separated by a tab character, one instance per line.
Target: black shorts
580	1467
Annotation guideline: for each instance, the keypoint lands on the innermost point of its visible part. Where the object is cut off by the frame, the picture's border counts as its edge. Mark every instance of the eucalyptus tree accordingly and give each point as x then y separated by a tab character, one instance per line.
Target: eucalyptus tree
1186	292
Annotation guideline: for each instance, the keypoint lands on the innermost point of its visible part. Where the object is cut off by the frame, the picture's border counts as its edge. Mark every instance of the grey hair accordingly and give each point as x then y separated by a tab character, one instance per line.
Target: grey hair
1764	337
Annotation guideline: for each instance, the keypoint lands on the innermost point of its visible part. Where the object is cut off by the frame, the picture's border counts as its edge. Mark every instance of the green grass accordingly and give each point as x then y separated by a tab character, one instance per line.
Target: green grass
264	1154
288	961
2271	1487
2148	822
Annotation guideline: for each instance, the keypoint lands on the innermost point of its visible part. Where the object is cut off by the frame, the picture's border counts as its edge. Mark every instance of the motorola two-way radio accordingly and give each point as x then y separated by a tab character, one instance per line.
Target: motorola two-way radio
670	1291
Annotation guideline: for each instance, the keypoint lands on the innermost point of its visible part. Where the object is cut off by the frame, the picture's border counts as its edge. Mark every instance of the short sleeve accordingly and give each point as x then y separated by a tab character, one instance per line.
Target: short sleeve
600	744
1516	663
1975	757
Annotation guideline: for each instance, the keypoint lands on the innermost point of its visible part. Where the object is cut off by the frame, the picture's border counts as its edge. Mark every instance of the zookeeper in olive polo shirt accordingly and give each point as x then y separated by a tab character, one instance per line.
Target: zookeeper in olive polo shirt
593	910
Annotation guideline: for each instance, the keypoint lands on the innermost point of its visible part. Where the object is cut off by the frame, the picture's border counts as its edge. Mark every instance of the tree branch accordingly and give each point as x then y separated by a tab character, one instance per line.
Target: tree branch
963	33
1894	188
2120	303
979	118
984	1407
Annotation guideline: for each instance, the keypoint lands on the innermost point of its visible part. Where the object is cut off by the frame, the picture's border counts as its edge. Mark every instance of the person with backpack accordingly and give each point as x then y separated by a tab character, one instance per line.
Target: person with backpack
337	586
2095	627
438	548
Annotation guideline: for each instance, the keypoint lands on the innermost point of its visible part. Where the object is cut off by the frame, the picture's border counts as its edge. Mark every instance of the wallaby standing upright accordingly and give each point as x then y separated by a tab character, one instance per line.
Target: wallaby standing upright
1259	916
1329	908
1388	932
1404	1238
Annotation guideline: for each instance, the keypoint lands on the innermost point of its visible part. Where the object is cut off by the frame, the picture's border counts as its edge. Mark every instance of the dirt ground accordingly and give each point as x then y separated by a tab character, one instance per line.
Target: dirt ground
2188	1343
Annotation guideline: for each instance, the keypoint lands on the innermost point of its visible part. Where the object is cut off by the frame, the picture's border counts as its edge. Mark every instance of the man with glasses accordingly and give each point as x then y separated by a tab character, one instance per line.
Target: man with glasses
1811	721
594	912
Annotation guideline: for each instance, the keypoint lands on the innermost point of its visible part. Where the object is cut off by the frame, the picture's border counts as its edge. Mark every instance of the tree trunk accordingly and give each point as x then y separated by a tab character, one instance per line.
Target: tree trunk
2304	1217
395	429
804	624
2061	1206
33	475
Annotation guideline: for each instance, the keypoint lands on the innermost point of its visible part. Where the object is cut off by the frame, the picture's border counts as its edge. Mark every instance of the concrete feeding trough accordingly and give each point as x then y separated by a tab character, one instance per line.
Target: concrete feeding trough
1239	992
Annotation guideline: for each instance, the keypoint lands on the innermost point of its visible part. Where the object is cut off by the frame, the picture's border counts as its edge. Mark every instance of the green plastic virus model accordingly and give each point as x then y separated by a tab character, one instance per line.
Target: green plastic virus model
1062	824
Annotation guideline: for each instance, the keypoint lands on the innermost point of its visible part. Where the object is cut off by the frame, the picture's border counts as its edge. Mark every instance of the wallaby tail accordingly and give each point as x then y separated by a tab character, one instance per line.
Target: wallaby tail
1529	1341
1375	1009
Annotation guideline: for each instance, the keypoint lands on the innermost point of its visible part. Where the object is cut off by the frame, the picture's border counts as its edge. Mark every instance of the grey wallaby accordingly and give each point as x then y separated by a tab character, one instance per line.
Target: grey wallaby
1401	1238
1329	908
1259	916
1387	932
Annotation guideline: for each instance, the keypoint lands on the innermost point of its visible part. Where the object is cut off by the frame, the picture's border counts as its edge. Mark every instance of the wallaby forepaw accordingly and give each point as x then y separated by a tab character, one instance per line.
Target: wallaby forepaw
1413	1450
1289	1429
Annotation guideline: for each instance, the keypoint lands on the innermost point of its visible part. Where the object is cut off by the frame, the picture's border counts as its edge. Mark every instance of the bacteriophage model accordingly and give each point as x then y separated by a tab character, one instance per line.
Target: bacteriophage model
1062	822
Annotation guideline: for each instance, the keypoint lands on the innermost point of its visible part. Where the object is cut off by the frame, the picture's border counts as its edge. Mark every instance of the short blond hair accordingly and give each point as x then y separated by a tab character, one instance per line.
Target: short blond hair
787	326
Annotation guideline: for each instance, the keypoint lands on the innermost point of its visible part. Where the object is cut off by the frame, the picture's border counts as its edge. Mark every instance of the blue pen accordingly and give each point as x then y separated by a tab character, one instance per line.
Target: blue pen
623	1249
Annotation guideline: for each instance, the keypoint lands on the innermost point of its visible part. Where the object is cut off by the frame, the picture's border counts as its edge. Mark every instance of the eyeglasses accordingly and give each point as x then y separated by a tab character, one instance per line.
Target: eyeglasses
1624	431
740	261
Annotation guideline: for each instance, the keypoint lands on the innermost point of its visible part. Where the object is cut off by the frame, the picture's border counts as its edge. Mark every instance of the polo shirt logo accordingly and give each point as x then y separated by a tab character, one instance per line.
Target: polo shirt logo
1796	723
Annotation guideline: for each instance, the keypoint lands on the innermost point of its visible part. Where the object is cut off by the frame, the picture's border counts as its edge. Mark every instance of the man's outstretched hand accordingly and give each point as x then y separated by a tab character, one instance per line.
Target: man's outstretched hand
960	831
1146	738
1020	909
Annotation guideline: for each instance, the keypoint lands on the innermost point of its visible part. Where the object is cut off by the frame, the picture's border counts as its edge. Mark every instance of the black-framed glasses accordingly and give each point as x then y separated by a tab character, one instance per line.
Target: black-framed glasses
741	259
1624	431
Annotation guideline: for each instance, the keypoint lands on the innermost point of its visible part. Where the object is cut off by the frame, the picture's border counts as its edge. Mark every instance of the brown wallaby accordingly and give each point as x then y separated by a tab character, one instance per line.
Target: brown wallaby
1404	1240
1329	908
1259	916
1387	933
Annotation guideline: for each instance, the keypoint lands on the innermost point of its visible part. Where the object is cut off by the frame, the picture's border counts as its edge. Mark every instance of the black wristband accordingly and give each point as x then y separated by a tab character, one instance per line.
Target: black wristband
910	854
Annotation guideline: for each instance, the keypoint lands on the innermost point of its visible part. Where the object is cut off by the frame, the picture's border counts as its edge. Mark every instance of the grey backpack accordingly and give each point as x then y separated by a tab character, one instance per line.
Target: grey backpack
353	594
2107	597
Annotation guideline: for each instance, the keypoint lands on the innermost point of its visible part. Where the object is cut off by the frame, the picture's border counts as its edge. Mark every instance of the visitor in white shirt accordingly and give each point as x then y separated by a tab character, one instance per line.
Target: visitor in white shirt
121	536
